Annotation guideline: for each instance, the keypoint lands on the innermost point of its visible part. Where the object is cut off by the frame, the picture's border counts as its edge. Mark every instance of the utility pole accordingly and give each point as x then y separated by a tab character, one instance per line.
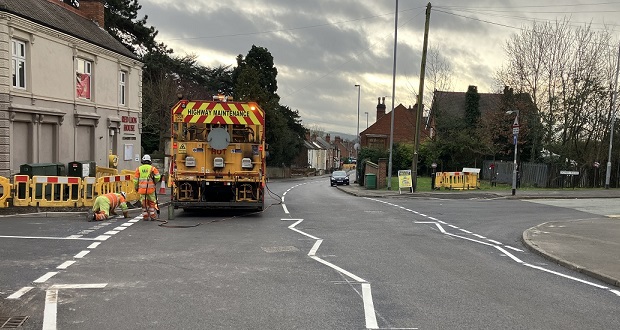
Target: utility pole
389	180
613	120
414	163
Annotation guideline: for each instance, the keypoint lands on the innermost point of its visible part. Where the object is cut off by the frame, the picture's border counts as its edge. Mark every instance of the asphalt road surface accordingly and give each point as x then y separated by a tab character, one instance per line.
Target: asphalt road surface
317	258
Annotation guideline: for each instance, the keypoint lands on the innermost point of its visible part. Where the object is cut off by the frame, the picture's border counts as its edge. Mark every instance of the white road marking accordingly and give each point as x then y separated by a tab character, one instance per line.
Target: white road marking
479	236
120	228
55	238
465	231
566	276
127	224
45	277
111	232
66	264
284	208
340	270
510	255
50	312
17	294
94	245
315	247
292	227
79	286
369	307
81	254
498	246
102	237
74	236
513	248
369	311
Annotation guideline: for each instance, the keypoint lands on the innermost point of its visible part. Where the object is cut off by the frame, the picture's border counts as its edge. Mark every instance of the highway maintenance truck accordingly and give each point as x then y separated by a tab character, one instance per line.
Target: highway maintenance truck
218	154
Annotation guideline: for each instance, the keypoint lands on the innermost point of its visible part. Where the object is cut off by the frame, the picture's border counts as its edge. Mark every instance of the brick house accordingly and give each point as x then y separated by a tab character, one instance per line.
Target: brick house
378	134
454	103
345	149
68	90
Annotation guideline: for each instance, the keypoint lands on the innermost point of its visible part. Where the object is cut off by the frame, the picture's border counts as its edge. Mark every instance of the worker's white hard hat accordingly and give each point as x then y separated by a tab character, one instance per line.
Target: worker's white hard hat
146	158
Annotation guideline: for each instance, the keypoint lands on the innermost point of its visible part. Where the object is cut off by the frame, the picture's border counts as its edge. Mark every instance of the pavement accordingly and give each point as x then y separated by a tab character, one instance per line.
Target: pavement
588	246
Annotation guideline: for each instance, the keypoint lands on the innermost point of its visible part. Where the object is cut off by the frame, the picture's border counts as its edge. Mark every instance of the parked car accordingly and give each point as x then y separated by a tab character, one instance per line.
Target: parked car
339	177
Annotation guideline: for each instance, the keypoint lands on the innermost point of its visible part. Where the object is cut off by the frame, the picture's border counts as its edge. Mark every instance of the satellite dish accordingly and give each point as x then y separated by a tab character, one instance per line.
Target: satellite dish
356	146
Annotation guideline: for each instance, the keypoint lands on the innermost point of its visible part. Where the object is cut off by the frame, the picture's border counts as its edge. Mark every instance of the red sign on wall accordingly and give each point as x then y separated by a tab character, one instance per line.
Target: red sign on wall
129	123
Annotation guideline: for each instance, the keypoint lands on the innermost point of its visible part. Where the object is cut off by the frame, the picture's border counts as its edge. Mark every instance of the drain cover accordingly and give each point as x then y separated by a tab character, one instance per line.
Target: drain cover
12	322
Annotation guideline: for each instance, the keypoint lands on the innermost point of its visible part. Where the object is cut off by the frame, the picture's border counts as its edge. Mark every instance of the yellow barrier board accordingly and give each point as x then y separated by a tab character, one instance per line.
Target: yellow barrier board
5	191
105	171
116	184
457	180
55	191
61	191
21	193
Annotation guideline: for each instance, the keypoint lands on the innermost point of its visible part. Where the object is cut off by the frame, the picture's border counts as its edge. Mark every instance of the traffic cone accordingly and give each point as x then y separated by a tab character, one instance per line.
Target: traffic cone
162	188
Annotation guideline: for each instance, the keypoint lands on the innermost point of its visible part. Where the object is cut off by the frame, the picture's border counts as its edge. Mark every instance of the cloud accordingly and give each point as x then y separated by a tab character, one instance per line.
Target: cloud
322	48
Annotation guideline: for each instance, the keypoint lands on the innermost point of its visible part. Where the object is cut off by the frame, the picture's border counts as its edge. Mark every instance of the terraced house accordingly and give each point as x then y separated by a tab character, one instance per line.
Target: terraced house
69	91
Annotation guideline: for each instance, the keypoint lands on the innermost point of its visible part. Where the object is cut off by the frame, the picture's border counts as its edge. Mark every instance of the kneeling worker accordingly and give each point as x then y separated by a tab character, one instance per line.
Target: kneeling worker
105	204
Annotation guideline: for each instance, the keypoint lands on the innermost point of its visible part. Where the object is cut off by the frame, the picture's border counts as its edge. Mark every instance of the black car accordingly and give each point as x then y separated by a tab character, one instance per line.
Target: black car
339	177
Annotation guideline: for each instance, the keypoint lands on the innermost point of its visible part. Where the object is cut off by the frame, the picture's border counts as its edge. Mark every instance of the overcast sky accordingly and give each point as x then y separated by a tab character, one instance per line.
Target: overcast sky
323	48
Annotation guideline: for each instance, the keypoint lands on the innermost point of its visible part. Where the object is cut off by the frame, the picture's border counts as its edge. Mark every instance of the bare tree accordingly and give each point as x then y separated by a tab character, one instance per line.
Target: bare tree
567	71
439	73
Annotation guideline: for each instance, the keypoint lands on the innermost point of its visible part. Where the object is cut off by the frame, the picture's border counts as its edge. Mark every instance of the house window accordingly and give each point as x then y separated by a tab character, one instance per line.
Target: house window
19	63
83	78
121	87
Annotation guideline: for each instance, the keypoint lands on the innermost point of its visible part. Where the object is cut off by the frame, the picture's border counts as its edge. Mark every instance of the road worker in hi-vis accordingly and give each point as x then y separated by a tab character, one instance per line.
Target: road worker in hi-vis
145	181
105	204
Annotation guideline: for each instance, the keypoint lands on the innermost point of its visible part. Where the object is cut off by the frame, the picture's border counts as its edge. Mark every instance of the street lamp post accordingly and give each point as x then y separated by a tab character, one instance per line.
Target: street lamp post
515	134
366	119
357	135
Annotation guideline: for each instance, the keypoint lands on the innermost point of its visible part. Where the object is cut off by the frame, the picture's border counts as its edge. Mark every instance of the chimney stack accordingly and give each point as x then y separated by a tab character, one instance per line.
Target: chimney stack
327	138
380	108
93	10
89	9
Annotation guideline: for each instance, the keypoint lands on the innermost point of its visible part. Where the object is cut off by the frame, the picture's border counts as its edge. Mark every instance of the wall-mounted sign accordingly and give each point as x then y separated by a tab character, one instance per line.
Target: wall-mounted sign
129	123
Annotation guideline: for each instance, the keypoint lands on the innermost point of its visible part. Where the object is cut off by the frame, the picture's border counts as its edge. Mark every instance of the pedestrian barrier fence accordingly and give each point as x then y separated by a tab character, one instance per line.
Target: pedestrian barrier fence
5	191
62	191
457	180
116	184
105	171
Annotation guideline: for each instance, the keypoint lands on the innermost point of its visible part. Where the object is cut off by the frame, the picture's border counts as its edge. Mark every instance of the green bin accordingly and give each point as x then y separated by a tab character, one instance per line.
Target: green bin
370	181
42	169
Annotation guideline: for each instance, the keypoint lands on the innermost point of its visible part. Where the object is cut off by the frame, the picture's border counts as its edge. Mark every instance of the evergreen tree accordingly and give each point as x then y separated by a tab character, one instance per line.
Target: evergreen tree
254	79
472	107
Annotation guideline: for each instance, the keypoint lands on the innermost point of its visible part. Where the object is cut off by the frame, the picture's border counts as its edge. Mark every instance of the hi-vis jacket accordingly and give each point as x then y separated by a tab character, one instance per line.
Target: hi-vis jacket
145	178
114	200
